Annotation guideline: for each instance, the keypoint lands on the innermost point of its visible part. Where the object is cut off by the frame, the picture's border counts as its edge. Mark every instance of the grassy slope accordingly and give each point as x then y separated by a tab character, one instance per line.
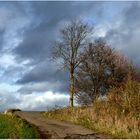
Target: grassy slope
119	115
117	126
14	127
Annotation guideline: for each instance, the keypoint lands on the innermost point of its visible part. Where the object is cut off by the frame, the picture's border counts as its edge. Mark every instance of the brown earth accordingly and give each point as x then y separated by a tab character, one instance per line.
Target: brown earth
52	129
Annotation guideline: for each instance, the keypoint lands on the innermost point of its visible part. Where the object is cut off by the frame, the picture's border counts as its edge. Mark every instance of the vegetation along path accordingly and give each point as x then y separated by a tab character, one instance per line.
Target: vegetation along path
53	129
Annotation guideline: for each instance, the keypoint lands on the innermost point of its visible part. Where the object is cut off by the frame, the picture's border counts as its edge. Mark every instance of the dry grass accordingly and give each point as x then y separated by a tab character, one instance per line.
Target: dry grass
119	116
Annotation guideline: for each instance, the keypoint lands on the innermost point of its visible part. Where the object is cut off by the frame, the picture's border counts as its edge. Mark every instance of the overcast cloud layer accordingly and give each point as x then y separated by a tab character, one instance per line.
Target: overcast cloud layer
28	79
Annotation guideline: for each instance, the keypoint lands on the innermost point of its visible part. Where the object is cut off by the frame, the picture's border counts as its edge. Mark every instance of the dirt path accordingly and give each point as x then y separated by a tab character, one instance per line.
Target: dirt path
53	129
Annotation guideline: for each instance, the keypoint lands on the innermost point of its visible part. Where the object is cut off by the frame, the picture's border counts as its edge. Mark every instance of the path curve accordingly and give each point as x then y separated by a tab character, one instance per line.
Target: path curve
52	129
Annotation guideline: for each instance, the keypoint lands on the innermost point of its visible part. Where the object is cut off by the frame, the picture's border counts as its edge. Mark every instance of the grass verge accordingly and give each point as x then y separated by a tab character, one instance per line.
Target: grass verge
13	127
118	115
90	117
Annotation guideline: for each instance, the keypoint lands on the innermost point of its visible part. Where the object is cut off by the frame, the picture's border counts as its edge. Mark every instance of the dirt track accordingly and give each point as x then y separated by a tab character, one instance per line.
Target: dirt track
53	129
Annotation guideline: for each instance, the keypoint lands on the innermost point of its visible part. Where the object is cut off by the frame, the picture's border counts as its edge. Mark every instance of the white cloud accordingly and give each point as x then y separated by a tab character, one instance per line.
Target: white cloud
7	60
4	87
41	87
34	101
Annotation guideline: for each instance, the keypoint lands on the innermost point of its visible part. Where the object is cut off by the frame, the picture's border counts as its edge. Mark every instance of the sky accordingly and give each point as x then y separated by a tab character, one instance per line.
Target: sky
29	80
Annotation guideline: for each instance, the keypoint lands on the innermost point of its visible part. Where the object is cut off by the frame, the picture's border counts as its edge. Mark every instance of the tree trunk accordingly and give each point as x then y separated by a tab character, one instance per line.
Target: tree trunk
71	87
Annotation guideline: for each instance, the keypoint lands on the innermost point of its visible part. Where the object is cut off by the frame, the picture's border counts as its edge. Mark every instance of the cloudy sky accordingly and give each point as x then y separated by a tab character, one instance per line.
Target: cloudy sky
28	79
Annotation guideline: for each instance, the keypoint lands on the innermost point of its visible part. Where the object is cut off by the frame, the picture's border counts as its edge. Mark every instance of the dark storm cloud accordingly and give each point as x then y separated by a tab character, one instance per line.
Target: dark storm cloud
40	87
126	35
42	72
1	37
45	76
27	30
35	45
132	15
47	17
37	41
61	10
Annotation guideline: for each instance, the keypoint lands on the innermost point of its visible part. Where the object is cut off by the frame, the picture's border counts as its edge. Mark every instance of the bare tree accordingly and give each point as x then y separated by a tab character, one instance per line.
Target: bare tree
73	39
102	68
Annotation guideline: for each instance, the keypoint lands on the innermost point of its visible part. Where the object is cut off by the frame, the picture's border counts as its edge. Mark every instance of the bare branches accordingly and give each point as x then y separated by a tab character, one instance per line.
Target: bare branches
102	68
73	39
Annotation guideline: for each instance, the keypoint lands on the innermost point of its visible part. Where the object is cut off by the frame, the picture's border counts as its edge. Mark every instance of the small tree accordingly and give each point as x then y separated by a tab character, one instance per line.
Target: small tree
68	48
102	68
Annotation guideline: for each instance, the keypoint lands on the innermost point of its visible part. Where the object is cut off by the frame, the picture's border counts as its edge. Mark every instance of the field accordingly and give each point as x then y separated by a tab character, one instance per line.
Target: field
12	127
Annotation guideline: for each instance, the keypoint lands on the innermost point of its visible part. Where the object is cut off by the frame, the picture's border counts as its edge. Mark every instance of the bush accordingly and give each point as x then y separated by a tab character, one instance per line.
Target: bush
126	97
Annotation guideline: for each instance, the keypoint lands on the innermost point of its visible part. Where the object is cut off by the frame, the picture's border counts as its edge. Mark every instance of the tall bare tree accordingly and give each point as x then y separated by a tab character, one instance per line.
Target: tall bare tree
68	48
